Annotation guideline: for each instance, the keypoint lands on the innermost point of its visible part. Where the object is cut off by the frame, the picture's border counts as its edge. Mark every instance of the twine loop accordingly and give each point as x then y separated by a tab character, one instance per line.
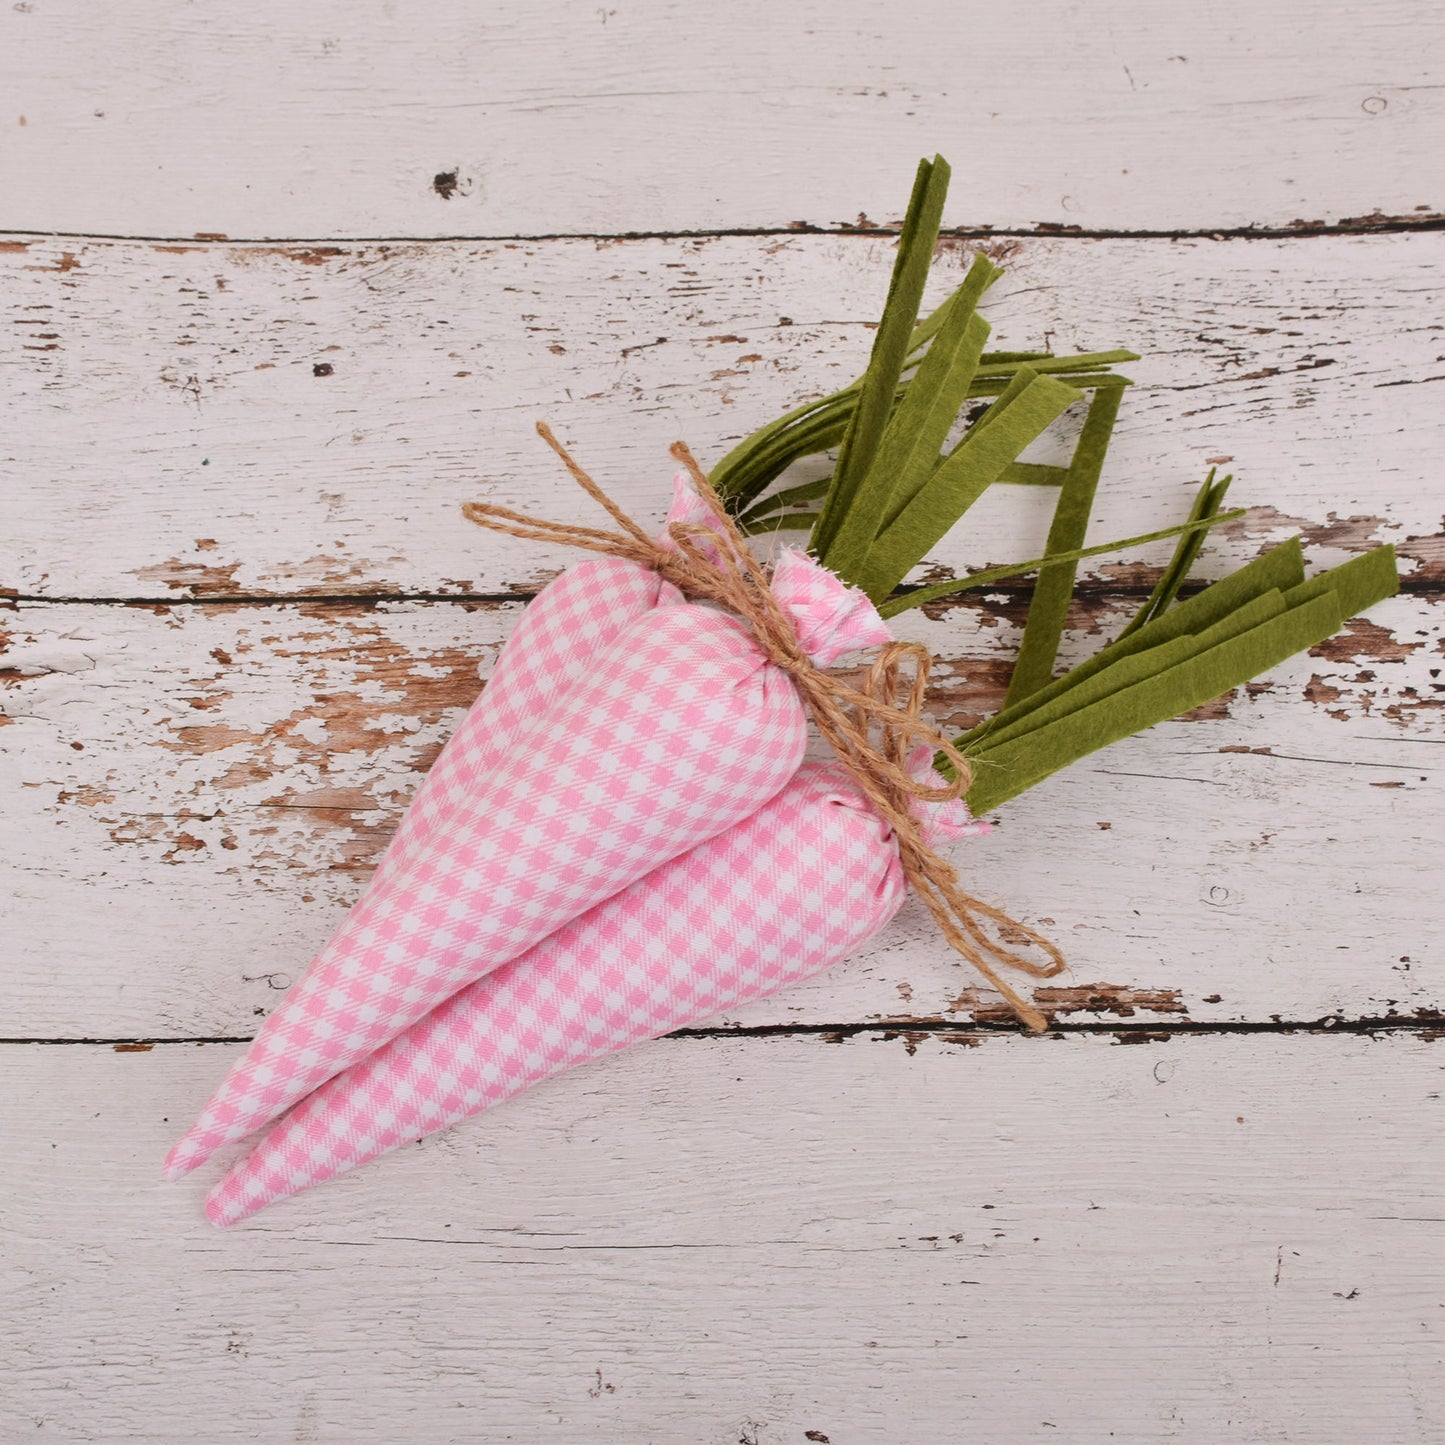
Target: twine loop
872	728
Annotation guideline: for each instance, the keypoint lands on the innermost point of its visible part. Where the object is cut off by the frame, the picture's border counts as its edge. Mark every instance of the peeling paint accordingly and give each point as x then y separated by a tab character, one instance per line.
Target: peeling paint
1109	1000
1362	638
317	576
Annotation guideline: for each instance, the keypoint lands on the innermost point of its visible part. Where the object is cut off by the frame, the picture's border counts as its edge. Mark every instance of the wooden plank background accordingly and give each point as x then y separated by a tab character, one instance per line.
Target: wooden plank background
283	288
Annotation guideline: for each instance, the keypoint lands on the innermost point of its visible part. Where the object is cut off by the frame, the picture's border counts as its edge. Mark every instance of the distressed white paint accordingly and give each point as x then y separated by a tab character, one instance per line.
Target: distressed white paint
1214	1239
335	119
240	767
212	457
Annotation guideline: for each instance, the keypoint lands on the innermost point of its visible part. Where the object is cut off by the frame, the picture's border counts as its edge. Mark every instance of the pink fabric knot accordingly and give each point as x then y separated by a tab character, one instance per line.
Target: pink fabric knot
689	508
940	822
831	617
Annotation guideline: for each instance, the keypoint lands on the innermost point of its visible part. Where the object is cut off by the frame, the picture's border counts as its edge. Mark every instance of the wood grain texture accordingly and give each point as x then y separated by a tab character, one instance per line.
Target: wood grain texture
1218	1239
238	616
374	119
308	420
216	781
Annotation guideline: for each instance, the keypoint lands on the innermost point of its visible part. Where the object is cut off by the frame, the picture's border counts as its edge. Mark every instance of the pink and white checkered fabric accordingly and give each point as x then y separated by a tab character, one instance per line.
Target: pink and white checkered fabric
780	896
680	730
829	617
550	649
553	646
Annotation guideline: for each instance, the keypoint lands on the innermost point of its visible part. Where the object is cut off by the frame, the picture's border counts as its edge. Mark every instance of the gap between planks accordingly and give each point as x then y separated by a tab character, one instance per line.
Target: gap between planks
1426	1024
1374	224
1085	590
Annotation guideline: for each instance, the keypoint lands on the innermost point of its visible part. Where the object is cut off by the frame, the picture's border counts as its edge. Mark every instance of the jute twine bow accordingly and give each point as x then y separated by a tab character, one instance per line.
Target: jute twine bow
869	730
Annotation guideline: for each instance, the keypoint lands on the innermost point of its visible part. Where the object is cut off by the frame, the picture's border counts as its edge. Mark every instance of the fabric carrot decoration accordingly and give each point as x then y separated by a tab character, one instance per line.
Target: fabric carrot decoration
783	895
564	893
779	897
677	732
552	647
682	728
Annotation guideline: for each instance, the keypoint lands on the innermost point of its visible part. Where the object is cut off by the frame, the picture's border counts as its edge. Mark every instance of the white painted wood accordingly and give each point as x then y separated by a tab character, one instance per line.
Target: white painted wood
240	766
1214	1239
170	435
892	1237
332	120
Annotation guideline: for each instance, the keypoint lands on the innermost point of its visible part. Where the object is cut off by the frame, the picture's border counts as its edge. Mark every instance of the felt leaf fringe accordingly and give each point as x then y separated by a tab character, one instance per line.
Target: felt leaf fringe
1310	613
894	492
890	349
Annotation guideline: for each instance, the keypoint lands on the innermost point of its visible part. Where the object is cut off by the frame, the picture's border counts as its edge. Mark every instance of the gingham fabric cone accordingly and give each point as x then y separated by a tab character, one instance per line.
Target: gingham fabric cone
681	729
552	647
780	896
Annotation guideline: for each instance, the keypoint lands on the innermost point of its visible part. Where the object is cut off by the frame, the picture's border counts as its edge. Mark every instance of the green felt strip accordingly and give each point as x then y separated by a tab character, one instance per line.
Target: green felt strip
1359	583
960	480
1281	568
919	426
1014	767
1206	504
1013	388
1046	364
731	473
1032	474
821	425
815	426
1084	381
1044	625
823	429
890	349
1316	609
790	496
1135	667
927	329
937	390
795	521
989	575
993	358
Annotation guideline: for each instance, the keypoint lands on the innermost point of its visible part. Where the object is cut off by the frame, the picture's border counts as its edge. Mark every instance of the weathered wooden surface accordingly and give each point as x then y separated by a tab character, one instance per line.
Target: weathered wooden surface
239	768
376	119
1230	1239
215	461
242	615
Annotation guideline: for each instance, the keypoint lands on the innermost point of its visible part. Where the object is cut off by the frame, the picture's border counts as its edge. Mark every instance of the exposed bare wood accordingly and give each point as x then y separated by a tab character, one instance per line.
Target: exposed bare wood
216	781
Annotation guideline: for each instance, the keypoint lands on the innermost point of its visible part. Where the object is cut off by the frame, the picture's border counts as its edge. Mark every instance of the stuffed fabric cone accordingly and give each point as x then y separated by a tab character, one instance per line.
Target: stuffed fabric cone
550	650
785	894
552	647
682	729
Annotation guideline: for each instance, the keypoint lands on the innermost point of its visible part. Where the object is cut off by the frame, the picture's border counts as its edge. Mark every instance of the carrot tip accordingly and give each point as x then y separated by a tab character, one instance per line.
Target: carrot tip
220	1213
179	1162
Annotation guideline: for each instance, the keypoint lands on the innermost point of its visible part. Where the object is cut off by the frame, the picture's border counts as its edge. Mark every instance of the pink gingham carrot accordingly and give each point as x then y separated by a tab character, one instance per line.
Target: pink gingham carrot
780	896
682	729
552	646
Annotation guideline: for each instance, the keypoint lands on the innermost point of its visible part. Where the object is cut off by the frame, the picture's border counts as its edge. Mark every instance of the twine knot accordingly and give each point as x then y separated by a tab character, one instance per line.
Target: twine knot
872	728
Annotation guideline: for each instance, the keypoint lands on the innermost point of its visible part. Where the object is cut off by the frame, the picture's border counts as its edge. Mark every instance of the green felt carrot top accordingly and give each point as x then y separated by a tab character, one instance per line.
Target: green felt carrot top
934	421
